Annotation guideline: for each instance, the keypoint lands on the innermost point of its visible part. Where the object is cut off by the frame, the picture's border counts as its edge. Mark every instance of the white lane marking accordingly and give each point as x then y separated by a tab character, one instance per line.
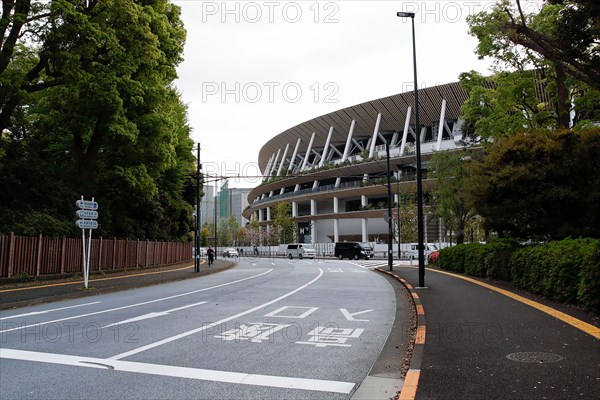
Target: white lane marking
153	315
350	317
202	328
47	311
276	313
181	372
132	305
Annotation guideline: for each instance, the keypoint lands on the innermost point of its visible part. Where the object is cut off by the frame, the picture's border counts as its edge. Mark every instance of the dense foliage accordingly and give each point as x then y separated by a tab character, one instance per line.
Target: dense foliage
88	108
567	271
560	41
450	171
540	185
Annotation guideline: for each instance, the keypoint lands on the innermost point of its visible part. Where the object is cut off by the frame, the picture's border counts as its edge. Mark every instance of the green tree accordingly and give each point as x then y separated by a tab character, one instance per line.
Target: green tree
283	223
560	42
204	236
228	231
540	185
88	108
451	171
503	105
405	214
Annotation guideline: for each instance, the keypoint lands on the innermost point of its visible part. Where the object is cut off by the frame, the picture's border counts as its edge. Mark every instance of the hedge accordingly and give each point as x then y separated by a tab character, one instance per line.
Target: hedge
567	271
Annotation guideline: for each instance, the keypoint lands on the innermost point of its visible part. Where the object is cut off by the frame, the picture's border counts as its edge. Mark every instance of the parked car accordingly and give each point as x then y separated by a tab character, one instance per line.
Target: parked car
300	251
230	252
411	250
352	250
432	257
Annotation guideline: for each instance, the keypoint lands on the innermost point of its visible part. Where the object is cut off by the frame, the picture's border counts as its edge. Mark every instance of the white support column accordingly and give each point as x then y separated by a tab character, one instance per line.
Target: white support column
308	150
441	125
313	211
423	133
364	202
268	214
394	140
365	236
287	147
294	154
260	216
336	221
338	181
405	134
268	168
294	209
374	138
326	148
274	163
348	142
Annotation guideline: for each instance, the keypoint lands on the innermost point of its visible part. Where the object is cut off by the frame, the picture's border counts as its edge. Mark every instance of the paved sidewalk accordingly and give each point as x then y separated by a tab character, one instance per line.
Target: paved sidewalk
481	344
20	295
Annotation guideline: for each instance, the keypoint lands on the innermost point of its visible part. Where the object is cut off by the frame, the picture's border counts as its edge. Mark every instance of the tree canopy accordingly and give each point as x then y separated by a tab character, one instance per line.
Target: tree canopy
88	107
545	61
540	185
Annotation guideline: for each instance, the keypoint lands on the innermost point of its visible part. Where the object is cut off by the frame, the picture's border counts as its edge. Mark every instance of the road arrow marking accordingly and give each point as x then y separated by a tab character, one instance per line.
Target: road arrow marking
350	317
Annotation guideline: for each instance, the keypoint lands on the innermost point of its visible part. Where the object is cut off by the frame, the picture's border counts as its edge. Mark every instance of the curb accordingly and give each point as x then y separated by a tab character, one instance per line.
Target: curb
411	381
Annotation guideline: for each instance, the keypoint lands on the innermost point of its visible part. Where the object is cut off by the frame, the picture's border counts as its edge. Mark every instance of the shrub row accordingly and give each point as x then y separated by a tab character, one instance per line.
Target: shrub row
567	271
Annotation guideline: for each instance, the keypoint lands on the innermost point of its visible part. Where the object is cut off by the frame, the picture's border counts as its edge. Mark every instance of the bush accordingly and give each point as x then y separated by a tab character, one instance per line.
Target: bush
452	258
490	259
588	292
559	270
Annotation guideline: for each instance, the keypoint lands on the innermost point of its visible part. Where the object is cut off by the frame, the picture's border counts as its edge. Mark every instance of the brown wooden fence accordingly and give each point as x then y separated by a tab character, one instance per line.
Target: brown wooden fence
42	256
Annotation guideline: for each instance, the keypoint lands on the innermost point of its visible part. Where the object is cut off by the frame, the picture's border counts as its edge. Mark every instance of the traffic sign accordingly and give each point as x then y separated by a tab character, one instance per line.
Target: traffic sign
87	224
87	214
87	204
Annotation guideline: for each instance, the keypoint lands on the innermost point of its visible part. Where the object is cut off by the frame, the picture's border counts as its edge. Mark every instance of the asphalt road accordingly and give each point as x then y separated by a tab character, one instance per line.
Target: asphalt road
266	329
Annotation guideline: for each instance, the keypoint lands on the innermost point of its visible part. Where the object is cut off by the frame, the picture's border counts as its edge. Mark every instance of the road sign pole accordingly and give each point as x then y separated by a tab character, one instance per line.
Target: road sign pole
87	214
84	259
89	251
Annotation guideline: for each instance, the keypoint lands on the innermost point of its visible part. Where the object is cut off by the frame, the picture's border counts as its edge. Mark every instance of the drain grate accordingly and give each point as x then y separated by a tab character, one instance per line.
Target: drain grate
534	357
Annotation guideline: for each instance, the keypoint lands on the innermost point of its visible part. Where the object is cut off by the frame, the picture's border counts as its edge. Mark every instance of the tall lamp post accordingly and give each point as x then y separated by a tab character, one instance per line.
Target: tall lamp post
420	225
389	207
197	230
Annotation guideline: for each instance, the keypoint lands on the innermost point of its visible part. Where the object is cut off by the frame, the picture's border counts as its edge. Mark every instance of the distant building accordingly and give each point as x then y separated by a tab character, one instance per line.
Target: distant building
207	206
238	201
228	201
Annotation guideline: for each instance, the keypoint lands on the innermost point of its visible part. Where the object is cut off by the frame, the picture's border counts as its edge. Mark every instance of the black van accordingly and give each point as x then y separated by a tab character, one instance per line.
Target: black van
352	250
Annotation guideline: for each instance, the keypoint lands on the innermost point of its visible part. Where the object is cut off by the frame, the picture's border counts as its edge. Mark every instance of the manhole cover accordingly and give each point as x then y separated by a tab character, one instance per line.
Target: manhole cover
534	357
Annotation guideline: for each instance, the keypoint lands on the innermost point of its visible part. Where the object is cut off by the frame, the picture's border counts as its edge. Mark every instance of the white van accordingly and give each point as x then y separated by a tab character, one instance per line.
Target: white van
300	250
411	250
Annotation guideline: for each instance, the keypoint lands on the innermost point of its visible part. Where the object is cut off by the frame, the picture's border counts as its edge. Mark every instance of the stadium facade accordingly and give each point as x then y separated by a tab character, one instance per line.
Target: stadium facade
330	168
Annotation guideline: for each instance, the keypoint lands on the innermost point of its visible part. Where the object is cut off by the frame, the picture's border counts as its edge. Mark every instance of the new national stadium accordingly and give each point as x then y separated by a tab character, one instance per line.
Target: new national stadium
332	168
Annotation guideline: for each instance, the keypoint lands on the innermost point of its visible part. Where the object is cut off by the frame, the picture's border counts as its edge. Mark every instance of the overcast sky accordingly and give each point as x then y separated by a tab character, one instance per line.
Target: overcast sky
254	69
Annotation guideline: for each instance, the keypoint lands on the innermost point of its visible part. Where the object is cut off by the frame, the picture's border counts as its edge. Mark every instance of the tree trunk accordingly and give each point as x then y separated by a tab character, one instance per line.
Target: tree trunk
562	94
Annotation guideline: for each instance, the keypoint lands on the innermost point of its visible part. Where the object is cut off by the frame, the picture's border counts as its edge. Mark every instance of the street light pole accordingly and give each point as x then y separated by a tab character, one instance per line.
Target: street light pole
389	212
197	230
420	224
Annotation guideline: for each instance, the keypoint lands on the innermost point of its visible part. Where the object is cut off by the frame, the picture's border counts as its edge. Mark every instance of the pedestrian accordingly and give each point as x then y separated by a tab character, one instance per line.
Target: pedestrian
211	255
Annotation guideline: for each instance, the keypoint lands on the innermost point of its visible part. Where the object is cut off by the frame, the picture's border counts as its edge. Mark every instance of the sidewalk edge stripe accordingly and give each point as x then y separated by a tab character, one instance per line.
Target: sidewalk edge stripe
411	381
577	323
